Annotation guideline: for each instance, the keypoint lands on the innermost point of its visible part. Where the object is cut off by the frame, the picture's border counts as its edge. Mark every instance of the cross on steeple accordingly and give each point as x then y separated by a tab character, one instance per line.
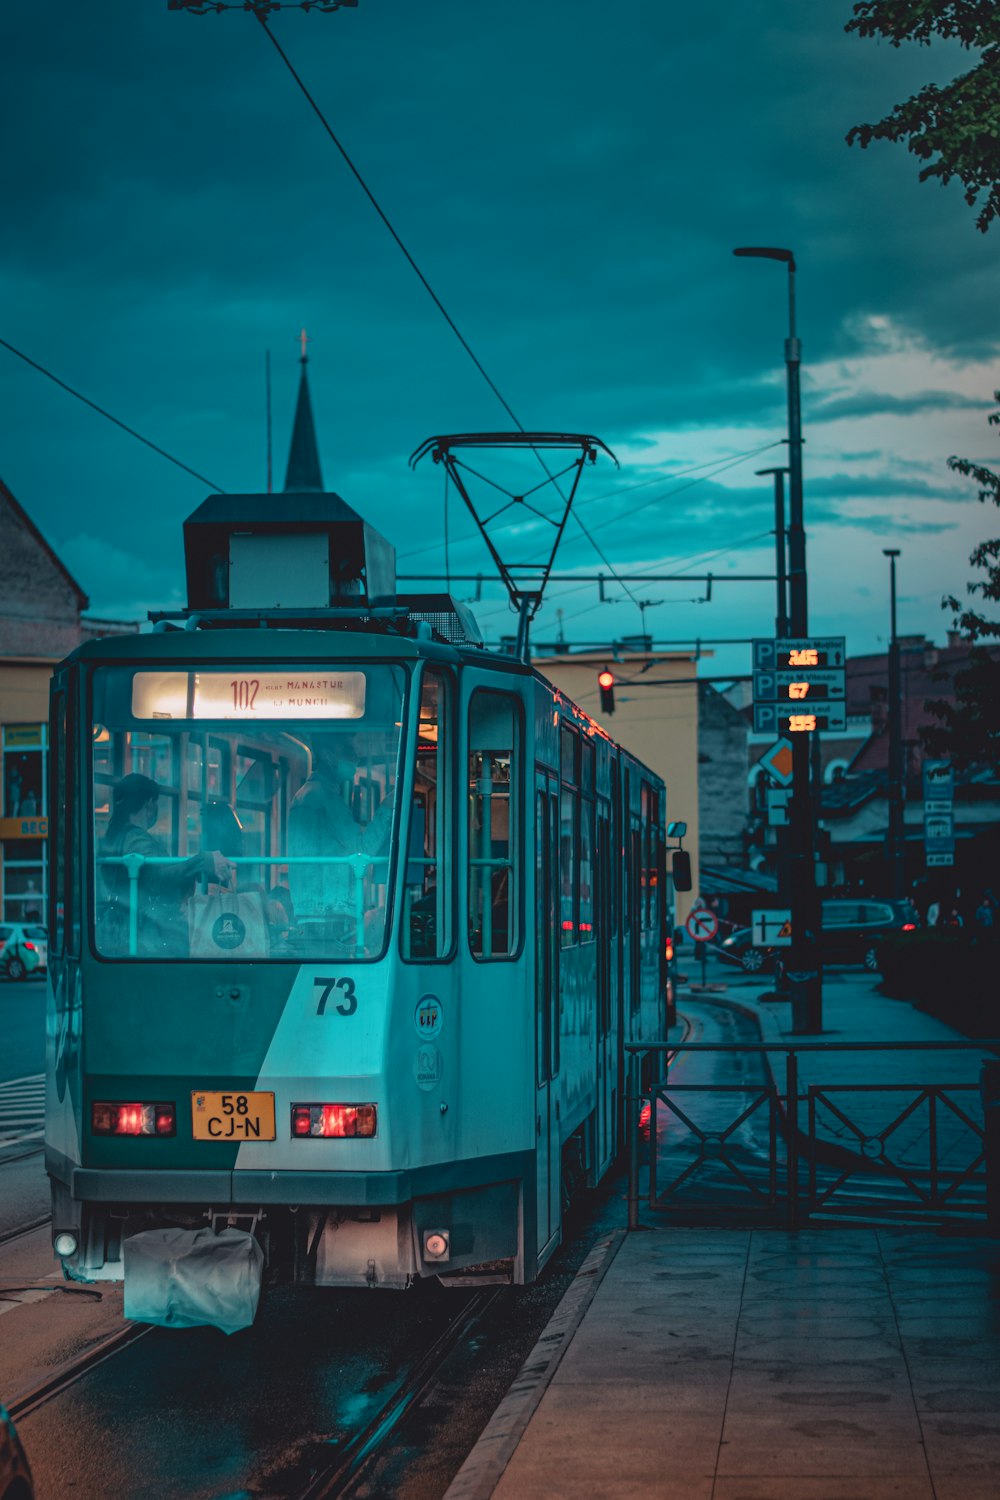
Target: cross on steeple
304	339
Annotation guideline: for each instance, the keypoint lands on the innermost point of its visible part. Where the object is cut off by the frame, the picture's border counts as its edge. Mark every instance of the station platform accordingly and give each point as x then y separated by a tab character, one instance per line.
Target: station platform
856	1361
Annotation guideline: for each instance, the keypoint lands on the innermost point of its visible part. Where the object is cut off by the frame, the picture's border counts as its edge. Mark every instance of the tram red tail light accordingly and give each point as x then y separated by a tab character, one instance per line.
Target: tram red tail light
333	1120
909	926
133	1119
669	949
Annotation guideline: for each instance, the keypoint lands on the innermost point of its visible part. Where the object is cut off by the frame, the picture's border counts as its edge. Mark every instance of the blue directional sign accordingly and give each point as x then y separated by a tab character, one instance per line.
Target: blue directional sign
799	653
793	718
799	685
939	813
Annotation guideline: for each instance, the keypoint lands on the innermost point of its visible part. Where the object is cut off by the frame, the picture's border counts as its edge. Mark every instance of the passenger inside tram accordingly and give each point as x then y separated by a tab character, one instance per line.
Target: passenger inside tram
338	847
162	888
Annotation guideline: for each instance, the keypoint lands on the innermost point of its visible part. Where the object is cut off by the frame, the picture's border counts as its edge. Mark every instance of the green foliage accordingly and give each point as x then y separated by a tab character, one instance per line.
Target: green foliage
968	731
955	130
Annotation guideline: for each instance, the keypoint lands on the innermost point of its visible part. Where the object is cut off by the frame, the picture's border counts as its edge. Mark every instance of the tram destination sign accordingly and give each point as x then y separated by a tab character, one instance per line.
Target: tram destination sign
328	694
798	718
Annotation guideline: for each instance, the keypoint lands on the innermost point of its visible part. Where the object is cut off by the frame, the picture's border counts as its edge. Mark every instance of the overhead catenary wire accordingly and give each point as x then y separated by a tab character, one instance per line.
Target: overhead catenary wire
386	221
117	420
684	563
410	260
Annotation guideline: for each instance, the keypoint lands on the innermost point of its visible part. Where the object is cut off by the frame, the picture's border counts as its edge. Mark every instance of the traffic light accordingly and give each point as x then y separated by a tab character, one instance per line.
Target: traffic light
606	683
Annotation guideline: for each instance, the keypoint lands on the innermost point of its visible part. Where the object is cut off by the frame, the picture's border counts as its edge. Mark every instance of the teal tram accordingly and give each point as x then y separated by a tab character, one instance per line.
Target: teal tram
350	921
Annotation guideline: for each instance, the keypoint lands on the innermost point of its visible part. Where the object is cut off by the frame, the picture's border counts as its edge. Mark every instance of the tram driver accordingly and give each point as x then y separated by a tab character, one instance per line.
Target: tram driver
163	889
334	915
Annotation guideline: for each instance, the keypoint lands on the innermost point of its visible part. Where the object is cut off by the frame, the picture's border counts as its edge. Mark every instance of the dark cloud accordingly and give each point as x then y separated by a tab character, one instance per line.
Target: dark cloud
882	404
571	187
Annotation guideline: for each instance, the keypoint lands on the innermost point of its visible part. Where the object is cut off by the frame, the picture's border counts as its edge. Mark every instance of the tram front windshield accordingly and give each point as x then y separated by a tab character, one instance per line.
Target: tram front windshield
244	814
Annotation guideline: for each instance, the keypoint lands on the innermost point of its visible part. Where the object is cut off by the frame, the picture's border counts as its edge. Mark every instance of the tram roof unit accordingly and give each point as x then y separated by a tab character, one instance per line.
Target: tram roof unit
302	560
298	550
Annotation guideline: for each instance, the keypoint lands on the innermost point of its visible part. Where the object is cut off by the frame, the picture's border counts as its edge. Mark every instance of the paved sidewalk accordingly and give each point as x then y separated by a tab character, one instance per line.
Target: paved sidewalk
832	1364
829	1363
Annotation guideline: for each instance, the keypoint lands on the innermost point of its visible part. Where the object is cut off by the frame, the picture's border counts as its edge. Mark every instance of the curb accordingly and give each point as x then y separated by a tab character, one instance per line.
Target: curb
483	1469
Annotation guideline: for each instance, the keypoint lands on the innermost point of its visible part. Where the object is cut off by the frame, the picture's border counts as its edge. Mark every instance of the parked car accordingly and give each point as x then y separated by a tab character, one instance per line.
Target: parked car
852	931
15	1475
24	949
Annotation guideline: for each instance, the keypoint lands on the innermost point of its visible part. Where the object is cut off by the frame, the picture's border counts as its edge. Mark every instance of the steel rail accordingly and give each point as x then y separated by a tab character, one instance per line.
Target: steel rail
354	1457
7	1235
68	1374
8	1161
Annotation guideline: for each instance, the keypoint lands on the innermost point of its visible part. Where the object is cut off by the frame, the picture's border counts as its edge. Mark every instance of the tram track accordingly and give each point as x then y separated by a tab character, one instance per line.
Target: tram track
338	1465
67	1375
9	1161
357	1455
7	1236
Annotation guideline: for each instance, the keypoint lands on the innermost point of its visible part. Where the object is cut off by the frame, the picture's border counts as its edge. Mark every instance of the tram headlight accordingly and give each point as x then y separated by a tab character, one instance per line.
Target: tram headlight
64	1244
117	1118
333	1121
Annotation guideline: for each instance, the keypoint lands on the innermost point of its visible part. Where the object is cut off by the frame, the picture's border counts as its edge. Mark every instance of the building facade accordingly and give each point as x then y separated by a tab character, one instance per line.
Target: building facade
41	621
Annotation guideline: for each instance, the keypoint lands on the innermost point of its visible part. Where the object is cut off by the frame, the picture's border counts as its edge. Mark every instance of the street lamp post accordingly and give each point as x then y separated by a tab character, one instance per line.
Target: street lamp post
805	979
780	551
896	849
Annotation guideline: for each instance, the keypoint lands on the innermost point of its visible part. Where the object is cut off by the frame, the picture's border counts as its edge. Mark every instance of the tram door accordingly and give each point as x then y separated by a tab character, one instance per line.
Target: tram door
548	1161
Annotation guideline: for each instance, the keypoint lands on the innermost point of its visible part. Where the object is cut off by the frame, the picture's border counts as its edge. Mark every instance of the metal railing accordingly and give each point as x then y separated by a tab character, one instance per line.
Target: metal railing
848	1147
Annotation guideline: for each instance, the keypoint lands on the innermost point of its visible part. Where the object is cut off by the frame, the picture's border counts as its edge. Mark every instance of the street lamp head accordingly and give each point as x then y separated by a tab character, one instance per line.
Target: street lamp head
890	551
768	252
759	472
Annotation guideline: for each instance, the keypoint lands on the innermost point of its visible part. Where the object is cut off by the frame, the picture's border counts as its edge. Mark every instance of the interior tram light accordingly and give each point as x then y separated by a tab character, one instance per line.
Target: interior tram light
333	1120
133	1119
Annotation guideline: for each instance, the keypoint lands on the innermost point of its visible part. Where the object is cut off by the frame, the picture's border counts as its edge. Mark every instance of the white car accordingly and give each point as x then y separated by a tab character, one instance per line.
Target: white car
24	949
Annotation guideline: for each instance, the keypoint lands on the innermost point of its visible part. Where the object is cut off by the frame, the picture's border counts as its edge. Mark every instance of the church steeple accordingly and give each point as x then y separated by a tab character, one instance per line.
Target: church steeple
303	471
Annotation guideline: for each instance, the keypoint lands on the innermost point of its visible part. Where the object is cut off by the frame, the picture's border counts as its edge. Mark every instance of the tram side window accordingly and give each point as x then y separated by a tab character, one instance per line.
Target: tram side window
426	927
650	879
494	825
586	880
569	837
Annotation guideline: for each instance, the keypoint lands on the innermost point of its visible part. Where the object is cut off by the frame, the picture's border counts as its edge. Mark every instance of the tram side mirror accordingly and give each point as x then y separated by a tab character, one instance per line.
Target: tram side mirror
676	830
681	870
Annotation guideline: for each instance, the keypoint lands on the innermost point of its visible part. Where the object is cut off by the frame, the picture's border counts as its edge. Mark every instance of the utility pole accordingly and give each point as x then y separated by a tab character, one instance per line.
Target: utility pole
895	843
780	551
805	975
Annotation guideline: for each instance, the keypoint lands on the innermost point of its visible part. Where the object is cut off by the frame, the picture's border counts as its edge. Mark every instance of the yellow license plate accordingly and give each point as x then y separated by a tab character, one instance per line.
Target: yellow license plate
232	1117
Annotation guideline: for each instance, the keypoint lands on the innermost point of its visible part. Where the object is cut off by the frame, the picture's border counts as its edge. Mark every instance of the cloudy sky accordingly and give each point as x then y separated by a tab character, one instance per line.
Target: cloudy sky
571	180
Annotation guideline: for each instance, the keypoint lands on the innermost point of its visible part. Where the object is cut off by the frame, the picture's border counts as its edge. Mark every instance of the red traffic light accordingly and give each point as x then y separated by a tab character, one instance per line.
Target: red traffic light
606	679
606	683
